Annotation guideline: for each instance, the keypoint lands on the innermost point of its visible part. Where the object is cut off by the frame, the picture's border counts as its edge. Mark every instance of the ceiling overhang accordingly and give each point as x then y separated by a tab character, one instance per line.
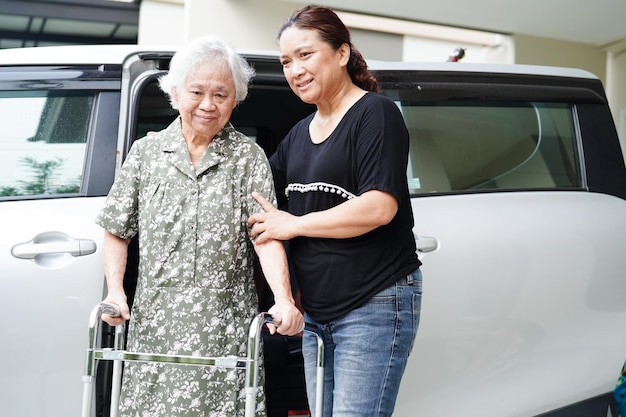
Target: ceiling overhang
48	22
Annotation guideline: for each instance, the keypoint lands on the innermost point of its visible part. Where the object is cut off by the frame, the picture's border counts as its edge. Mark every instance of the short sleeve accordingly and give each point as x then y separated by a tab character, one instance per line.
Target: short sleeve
382	149
120	212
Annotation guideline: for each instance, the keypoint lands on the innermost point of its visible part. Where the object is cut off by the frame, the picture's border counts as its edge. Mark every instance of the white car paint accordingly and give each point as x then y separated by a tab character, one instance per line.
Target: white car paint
503	304
45	306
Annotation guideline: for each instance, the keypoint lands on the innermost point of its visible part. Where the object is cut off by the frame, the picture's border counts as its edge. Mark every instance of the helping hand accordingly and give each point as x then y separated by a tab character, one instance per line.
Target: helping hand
273	224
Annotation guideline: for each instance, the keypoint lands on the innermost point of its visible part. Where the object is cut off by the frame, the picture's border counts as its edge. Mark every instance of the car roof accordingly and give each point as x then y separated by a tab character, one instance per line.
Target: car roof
75	54
116	54
482	68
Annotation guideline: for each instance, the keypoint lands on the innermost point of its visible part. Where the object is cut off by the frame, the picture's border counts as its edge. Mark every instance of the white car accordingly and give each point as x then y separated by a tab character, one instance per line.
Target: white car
518	189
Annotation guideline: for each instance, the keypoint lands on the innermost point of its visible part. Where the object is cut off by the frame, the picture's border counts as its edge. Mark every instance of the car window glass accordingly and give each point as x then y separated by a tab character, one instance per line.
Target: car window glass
155	110
265	124
43	142
490	146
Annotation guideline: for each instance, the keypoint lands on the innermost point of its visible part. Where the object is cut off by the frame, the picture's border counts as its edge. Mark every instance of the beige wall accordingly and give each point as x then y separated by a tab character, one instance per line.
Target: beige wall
541	51
161	22
378	45
243	24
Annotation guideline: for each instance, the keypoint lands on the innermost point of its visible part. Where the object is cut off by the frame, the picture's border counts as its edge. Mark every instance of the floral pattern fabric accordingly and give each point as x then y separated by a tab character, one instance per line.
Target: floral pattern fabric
195	293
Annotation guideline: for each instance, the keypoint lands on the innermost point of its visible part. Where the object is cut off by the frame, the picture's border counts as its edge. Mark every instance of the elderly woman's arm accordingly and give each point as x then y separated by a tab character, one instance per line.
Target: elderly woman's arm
274	264
115	256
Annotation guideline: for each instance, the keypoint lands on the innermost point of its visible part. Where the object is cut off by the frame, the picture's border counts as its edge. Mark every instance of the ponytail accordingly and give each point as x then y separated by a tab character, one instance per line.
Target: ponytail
359	73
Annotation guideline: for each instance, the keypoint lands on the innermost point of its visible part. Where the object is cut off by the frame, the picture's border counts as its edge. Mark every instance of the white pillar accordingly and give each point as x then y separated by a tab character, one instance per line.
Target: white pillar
245	24
162	22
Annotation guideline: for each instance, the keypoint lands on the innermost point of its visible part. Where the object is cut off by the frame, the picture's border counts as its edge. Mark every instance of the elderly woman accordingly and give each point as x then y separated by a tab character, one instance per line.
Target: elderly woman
186	192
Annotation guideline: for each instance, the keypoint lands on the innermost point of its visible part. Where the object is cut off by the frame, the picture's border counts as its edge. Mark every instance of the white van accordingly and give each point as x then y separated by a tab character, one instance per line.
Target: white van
518	189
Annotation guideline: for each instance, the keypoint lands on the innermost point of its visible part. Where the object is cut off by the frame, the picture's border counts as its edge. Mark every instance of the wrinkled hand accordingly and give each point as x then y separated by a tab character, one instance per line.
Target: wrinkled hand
288	320
120	301
272	224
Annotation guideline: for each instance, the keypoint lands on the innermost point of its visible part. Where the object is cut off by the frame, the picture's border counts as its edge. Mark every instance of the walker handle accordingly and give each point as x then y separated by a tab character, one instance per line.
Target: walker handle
111	309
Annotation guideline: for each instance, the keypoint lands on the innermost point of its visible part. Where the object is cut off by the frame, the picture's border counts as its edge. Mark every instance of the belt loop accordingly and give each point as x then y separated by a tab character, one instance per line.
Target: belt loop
409	279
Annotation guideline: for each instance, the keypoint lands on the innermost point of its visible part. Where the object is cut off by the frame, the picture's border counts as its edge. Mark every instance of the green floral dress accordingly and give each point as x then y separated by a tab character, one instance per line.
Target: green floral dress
195	293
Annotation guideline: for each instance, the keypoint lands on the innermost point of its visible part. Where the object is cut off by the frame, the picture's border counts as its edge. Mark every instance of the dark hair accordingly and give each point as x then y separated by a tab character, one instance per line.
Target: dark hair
332	31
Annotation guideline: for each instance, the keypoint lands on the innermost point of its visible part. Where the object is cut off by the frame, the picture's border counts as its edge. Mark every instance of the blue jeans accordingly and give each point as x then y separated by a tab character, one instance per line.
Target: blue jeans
365	352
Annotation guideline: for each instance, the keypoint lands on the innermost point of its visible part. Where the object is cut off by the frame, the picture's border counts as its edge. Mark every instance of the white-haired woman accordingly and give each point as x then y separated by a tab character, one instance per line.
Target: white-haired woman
186	192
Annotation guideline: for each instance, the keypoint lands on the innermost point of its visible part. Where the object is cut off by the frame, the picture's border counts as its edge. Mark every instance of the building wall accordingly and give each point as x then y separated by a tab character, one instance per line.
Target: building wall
541	51
420	49
243	24
254	25
378	45
162	22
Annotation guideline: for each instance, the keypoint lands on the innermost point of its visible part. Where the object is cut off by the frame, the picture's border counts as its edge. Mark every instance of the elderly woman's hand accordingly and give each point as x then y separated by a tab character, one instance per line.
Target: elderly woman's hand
118	300
272	224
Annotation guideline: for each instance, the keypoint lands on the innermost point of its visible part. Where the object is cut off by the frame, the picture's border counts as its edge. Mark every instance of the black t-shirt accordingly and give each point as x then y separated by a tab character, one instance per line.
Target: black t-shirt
368	150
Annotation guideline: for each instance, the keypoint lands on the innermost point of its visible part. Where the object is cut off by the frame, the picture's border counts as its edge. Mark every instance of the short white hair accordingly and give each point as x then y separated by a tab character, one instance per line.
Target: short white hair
199	51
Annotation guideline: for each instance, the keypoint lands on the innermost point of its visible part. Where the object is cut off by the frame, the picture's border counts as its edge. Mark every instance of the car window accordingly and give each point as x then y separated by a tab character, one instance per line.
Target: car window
155	110
468	146
265	116
43	141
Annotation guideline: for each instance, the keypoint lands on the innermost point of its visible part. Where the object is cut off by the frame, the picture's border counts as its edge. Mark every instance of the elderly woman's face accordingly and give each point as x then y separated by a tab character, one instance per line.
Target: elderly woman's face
206	100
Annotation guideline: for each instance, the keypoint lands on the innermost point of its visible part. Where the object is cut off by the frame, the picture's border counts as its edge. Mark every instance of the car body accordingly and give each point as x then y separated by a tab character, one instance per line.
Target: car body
518	189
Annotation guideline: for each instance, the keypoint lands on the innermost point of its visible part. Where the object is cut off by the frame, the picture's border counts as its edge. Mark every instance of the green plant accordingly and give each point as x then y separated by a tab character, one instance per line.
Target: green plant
42	174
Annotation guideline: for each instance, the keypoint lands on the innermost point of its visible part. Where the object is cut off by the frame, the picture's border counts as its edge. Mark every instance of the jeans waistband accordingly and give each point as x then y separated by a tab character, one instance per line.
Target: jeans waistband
406	280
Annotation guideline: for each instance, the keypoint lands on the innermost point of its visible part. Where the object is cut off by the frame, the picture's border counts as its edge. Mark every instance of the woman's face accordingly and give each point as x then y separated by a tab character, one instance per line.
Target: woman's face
314	70
206	100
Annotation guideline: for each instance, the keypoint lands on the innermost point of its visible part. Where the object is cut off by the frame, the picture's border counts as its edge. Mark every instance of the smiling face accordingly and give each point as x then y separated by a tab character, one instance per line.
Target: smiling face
315	71
206	100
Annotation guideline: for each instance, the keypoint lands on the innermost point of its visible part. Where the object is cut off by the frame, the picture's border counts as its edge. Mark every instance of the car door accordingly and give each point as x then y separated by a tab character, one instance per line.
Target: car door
57	162
518	196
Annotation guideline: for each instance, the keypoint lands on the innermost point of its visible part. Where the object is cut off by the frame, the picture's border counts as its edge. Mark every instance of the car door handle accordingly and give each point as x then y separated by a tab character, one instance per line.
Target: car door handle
426	243
50	243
